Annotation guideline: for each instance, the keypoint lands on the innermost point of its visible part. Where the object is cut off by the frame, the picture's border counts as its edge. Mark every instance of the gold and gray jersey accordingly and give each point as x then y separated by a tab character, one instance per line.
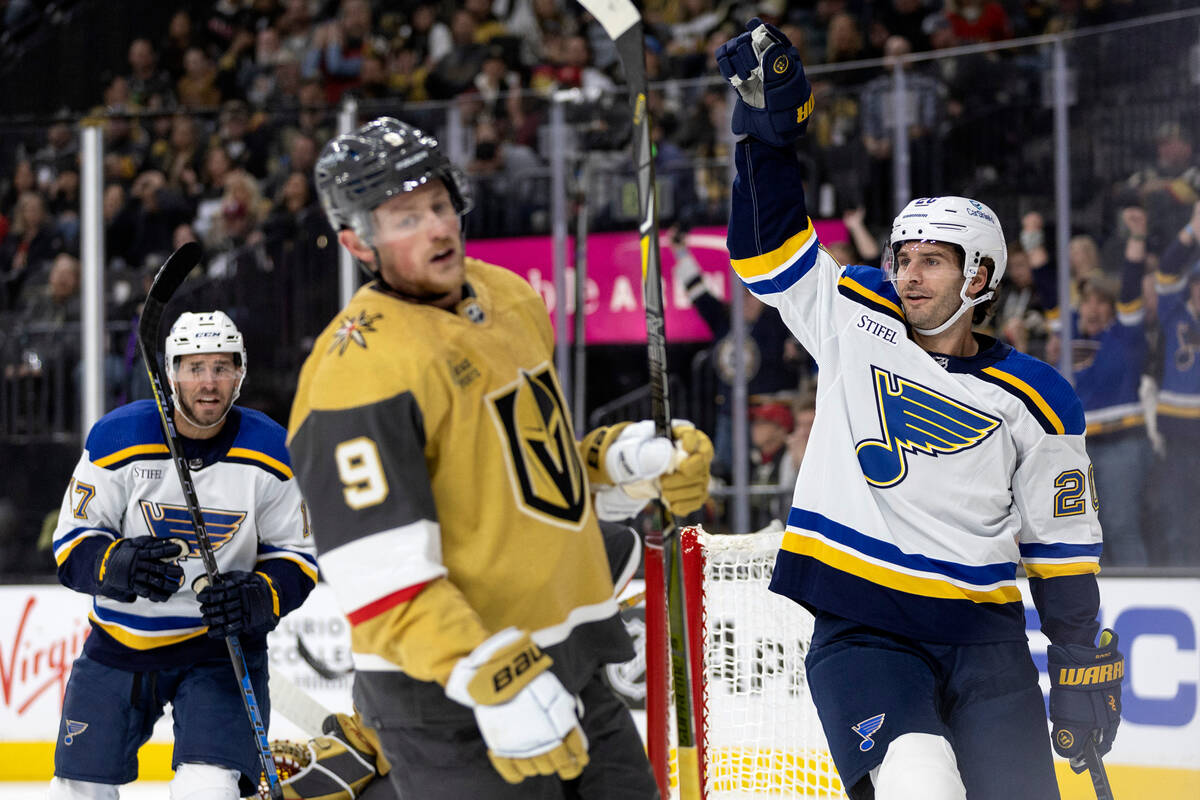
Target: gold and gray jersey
436	454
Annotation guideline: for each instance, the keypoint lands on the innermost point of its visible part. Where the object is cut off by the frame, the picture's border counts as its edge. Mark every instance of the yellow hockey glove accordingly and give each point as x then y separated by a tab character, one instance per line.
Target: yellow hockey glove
528	720
629	465
685	489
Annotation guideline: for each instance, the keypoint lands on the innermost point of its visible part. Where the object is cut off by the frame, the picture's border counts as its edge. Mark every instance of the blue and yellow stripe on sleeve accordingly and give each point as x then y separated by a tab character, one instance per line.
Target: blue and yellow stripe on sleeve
1056	560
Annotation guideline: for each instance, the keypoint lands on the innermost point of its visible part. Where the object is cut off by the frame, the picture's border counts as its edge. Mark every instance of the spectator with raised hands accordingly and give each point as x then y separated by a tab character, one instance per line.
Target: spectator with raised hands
1109	358
1178	411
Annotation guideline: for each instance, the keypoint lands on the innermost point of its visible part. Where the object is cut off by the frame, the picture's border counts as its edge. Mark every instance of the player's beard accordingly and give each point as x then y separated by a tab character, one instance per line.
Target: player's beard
931	312
207	414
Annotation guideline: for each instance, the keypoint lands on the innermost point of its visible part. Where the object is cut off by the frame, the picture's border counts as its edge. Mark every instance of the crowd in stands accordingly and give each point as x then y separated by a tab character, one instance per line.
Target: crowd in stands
213	126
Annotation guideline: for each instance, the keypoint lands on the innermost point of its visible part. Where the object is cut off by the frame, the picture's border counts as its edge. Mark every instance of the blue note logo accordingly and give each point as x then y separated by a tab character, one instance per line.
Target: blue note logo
866	729
167	521
916	419
73	729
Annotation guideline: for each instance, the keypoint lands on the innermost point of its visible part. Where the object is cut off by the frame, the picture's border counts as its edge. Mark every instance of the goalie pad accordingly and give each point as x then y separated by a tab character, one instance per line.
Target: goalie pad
337	766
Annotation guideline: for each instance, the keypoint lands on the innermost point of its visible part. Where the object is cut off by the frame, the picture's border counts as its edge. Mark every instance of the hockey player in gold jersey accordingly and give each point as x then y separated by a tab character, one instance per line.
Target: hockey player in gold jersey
451	507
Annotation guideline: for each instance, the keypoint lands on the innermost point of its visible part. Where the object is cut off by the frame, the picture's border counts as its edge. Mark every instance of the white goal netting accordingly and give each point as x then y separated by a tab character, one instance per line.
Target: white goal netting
762	737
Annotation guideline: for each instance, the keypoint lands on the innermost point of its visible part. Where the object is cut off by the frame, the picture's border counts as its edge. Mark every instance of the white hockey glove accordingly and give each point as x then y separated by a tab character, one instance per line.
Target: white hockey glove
629	465
528	720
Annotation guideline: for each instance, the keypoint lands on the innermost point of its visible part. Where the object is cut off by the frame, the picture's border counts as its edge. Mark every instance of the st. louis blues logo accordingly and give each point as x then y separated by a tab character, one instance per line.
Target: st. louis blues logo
73	729
866	729
916	419
168	521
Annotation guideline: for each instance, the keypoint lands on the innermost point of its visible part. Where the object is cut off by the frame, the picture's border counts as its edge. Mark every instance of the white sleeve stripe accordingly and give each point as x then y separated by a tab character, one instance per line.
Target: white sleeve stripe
375	566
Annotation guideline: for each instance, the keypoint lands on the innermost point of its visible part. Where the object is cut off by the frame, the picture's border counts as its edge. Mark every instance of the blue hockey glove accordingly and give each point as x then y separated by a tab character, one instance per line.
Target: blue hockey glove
242	603
775	99
142	566
1085	696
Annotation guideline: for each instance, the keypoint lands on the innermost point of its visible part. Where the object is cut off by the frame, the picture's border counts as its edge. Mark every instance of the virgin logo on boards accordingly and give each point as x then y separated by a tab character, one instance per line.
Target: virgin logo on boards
31	666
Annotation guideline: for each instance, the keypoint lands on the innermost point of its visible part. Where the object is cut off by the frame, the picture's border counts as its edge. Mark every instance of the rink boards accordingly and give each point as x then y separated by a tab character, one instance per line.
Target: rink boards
1157	751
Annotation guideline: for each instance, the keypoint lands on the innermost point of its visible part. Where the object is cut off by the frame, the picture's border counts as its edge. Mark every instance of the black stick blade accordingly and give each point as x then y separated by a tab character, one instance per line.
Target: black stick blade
169	278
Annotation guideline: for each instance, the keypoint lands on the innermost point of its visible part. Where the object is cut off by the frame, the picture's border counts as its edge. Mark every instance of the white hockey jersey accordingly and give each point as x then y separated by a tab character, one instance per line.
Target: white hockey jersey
927	478
125	486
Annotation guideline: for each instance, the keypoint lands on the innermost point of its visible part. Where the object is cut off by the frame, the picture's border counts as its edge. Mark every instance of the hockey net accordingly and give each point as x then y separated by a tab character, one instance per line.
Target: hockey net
758	734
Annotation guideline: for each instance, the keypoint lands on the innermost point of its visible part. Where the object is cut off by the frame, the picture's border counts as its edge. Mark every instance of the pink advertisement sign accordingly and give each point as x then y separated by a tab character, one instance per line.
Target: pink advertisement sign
613	304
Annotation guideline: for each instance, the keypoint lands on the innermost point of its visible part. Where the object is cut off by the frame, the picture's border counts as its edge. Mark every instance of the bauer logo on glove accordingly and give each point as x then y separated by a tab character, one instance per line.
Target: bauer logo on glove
775	101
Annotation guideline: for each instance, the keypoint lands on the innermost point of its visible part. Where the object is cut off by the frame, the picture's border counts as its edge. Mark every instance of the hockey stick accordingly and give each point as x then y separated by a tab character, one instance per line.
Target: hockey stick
318	665
1096	771
623	24
297	705
170	276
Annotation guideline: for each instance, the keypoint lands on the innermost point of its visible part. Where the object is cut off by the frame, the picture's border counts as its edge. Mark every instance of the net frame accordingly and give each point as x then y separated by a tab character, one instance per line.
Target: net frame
758	735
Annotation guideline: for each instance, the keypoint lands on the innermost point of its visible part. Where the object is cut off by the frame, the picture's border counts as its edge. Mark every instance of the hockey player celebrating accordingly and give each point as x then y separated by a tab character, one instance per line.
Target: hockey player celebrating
451	503
125	536
939	461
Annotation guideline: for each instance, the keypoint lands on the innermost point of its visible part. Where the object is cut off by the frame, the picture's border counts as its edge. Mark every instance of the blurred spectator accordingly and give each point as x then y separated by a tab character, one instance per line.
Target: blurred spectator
487	26
28	248
295	28
337	49
499	87
217	167
455	72
771	425
125	146
428	37
245	144
63	206
242	209
408	74
975	21
300	245
530	21
1109	356
804	411
861	248
156	209
145	78
1178	411
197	87
257	76
507	180
903	18
23	181
922	111
845	40
301	156
773	358
59	154
236	61
1018	316
180	38
1168	188
182	160
57	300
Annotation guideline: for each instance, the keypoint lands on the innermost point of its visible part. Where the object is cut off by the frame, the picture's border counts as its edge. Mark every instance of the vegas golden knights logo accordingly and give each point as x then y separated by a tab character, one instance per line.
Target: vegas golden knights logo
543	461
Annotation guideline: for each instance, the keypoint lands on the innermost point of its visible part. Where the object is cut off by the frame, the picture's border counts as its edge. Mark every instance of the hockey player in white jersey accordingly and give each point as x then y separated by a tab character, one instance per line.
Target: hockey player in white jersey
940	460
125	536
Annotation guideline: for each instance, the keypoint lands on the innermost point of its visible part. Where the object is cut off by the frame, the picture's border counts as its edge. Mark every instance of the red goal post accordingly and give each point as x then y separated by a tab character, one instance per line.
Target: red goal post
757	732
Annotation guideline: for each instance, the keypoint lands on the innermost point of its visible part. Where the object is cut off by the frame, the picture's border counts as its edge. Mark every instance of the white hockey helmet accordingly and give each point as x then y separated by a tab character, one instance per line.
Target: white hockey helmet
204	332
973	228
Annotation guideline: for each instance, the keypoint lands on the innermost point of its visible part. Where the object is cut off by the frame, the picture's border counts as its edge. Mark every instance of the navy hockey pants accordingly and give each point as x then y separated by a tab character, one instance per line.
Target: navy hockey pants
109	713
870	687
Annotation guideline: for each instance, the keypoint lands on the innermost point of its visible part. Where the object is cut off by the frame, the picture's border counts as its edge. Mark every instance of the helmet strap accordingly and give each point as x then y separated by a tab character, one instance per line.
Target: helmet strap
967	303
